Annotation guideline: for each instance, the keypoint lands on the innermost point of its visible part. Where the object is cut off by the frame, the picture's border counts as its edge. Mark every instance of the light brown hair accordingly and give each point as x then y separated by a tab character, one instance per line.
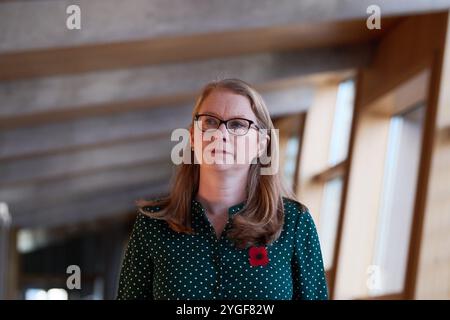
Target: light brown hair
261	220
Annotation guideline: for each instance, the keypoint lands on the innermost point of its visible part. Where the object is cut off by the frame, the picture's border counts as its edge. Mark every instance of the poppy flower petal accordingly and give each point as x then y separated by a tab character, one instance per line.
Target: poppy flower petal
258	256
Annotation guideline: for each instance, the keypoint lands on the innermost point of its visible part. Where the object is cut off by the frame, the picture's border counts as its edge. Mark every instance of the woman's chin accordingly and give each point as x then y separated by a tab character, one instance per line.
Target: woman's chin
224	163
222	167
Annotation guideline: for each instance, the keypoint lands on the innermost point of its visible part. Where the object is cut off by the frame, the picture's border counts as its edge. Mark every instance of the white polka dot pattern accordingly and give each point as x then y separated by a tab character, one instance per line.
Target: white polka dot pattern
162	264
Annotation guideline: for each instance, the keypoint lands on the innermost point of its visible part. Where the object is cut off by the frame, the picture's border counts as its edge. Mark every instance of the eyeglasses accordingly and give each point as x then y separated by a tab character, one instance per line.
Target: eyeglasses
235	126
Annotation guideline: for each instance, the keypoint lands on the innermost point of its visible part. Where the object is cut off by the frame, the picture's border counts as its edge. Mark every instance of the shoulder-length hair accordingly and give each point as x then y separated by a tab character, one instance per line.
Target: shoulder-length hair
261	220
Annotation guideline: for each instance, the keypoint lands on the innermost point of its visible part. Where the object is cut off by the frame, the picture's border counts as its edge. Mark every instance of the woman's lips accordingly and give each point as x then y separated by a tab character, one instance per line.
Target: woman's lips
223	151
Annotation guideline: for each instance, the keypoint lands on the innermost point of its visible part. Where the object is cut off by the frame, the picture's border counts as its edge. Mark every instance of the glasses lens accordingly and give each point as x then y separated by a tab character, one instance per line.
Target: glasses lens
207	123
238	126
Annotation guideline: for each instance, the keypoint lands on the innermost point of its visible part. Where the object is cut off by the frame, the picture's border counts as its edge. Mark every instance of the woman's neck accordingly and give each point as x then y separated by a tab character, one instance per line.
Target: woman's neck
219	190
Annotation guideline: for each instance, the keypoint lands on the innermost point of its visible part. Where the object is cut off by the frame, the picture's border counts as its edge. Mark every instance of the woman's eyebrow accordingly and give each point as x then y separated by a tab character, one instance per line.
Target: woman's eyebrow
235	116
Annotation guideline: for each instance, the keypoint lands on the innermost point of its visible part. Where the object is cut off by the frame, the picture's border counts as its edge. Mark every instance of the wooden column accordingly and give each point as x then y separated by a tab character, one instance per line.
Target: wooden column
403	58
430	275
8	255
5	221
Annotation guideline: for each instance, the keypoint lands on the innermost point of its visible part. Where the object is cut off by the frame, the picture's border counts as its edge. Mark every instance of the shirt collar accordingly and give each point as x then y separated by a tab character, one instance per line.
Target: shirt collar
231	210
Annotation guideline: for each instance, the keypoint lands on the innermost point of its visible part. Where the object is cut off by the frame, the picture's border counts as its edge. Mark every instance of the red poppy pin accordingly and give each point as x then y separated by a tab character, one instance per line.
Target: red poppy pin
258	256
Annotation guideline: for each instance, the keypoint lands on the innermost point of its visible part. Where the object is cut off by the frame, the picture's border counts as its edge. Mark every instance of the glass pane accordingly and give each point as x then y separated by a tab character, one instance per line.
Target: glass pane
290	160
342	122
397	203
329	216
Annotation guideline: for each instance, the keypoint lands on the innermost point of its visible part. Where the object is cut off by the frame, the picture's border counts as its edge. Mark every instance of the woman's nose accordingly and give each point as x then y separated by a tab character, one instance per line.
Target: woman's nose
224	131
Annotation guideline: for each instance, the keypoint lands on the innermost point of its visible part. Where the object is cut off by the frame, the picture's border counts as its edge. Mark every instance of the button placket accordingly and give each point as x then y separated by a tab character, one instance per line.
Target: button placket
217	244
215	254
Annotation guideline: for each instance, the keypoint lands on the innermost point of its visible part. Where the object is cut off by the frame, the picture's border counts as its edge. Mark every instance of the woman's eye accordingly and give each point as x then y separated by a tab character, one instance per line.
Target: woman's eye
237	125
210	121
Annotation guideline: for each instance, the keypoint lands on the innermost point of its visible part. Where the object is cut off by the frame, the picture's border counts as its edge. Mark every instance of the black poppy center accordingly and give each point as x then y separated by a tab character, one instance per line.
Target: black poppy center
259	256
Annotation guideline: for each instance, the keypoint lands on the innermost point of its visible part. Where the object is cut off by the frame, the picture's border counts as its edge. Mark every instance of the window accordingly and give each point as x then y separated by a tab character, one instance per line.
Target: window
324	163
290	144
342	122
290	161
397	201
41	294
333	177
329	214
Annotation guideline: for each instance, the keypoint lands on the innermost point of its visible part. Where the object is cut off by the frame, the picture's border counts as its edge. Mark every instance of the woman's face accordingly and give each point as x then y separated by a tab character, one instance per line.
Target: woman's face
227	151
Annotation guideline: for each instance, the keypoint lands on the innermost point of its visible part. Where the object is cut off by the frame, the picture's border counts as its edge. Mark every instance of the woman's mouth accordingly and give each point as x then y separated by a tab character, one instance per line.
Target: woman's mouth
221	151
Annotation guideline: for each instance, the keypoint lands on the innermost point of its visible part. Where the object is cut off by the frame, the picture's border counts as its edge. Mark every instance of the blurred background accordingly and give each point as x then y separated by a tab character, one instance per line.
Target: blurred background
360	94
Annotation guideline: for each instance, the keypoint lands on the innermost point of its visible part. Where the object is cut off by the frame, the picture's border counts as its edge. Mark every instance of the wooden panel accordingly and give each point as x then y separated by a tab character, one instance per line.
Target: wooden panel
407	49
433	278
87	58
13	266
410	93
433	264
443	117
129	89
85	133
279	95
121	127
61	188
42	24
362	206
412	46
89	207
69	164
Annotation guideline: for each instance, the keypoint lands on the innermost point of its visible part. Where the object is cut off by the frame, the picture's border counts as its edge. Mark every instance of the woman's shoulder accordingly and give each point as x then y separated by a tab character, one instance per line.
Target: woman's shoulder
146	210
294	207
296	212
151	206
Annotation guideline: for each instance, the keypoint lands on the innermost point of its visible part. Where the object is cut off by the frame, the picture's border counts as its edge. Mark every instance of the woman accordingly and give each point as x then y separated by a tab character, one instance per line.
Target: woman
226	231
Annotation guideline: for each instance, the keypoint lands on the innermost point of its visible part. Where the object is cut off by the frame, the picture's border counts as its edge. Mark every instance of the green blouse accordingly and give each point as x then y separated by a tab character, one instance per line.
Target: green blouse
162	264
